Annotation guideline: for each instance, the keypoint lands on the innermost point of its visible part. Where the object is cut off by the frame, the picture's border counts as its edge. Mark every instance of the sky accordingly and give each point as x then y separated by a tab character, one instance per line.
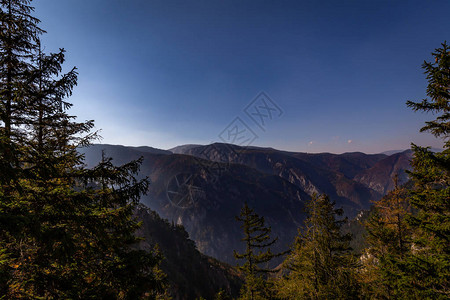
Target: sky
310	76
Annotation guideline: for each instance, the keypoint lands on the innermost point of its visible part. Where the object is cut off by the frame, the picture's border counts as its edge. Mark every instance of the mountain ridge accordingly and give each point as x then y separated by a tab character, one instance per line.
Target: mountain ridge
204	187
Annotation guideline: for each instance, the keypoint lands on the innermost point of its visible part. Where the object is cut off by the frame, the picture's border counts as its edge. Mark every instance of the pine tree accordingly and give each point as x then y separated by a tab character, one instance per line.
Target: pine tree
428	268
388	239
320	265
65	231
257	251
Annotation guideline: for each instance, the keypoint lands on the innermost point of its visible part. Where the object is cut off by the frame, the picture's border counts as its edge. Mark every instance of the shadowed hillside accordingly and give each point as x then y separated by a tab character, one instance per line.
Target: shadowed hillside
190	274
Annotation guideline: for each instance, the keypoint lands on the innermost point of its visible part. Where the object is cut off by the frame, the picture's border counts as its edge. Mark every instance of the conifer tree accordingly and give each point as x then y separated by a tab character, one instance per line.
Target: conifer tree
18	39
320	265
428	267
257	251
388	239
65	231
18	31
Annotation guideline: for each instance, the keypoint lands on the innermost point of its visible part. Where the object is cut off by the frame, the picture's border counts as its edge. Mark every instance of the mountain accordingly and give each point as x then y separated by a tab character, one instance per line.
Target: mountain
151	150
379	177
205	197
121	154
183	148
313	173
391	152
205	188
190	274
349	164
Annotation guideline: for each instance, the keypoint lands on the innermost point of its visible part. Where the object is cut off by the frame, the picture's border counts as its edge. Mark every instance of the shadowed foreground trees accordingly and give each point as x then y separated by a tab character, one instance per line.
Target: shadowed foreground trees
65	231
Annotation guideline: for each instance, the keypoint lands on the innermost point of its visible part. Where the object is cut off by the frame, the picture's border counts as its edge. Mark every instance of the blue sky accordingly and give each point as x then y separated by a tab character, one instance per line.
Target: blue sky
165	73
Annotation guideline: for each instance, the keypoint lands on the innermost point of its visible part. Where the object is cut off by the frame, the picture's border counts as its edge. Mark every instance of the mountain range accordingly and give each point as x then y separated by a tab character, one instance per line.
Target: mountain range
203	187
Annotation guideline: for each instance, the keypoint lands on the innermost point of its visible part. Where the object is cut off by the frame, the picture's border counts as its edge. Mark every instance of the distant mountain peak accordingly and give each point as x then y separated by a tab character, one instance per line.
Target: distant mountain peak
183	148
391	152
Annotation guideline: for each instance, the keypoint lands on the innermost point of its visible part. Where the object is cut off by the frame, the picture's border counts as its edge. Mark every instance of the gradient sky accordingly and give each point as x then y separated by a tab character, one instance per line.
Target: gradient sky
165	73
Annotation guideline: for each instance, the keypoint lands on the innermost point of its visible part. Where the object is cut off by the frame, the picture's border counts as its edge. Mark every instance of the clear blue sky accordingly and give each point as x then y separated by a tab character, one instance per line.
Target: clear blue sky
165	73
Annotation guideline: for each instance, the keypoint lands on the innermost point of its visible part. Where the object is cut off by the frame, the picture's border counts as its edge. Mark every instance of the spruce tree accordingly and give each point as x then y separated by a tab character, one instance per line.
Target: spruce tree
320	265
428	267
65	231
257	251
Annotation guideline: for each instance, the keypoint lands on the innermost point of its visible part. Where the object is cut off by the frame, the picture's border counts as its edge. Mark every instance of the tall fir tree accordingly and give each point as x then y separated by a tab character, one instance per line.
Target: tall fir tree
257	252
65	231
428	268
18	32
320	265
